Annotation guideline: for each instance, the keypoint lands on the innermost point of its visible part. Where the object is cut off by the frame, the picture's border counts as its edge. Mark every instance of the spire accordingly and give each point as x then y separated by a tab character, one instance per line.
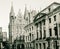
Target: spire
25	7
30	8
12	10
26	11
19	13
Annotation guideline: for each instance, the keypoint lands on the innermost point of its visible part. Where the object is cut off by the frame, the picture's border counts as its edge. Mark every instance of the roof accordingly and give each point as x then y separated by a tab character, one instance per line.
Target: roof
50	5
43	14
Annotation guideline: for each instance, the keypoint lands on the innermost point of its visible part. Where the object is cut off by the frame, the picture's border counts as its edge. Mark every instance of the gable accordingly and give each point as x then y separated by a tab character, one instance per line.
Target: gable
38	16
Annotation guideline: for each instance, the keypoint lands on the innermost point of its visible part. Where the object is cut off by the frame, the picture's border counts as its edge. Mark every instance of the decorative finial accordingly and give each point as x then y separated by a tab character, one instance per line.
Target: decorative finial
25	6
12	3
12	9
30	8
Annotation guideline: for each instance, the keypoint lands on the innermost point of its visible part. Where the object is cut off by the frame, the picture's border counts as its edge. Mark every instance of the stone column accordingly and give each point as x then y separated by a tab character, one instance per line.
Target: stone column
42	31
39	30
16	45
38	46
58	29
41	45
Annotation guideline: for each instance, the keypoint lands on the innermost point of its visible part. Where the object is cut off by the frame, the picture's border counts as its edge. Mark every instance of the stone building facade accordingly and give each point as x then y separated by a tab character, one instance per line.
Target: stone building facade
16	26
48	27
29	28
4	36
1	37
40	30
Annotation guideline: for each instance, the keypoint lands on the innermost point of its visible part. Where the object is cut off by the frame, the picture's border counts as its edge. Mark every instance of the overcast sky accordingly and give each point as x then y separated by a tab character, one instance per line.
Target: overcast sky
5	6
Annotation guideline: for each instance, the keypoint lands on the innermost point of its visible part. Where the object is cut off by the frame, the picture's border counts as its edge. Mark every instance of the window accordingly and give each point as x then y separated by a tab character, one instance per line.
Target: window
55	29
55	18
23	37
37	25
12	16
43	22
50	32
32	27
40	45
40	25
55	45
37	35
30	45
49	9
49	20
30	36
44	45
40	34
44	33
59	30
36	46
26	38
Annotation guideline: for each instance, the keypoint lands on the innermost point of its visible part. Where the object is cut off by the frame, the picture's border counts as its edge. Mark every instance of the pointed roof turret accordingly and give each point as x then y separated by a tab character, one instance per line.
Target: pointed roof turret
19	16
12	10
26	11
19	13
25	7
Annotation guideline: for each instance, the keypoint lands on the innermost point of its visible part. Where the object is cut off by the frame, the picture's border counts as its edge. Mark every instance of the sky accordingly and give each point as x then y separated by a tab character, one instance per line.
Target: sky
5	7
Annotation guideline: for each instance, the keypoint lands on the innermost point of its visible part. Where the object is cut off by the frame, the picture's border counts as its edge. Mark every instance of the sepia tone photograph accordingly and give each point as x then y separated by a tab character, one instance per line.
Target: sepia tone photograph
29	24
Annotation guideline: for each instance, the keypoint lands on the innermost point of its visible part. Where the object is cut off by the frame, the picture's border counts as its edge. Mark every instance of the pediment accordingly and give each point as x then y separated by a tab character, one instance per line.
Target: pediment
39	15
